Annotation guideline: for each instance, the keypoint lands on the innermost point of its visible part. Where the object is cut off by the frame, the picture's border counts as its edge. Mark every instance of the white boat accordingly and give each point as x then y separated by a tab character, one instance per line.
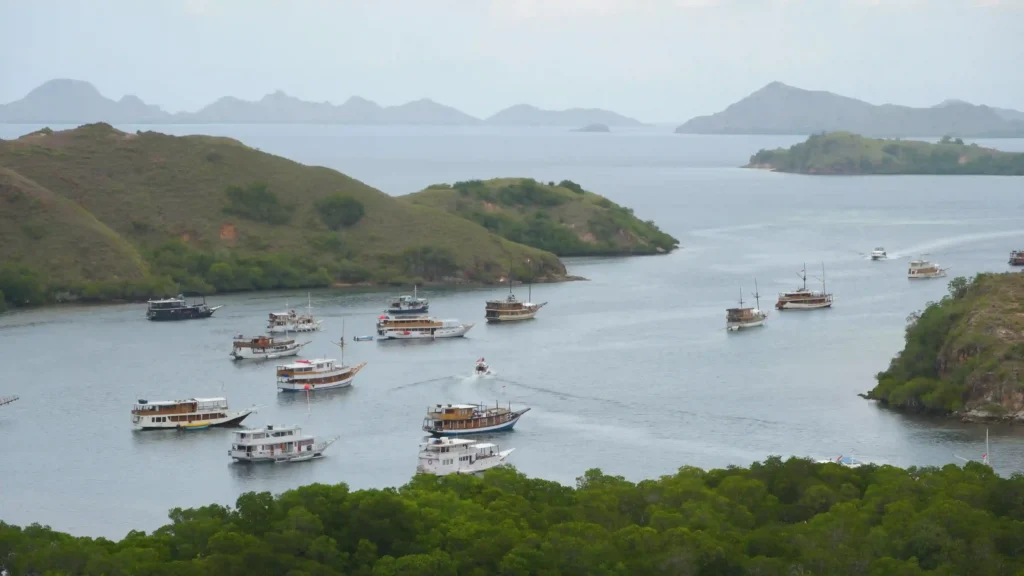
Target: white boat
277	444
319	374
290	321
264	348
845	461
878	254
804	299
443	456
742	318
407	327
185	414
482	369
406	304
925	269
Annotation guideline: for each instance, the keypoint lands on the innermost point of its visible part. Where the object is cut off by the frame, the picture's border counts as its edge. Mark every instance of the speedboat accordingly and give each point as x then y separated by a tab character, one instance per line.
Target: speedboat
482	369
878	254
847	461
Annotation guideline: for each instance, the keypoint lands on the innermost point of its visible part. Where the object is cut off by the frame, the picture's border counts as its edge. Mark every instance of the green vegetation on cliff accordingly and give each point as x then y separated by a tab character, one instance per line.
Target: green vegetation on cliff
964	353
846	153
777	518
99	214
561	218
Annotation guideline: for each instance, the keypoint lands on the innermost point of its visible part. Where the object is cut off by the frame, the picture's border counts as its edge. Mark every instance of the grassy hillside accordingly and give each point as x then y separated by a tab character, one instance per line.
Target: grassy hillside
964	353
207	214
845	153
564	219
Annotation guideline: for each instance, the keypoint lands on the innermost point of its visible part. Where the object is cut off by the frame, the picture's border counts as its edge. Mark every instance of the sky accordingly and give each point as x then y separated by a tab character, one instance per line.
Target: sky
656	60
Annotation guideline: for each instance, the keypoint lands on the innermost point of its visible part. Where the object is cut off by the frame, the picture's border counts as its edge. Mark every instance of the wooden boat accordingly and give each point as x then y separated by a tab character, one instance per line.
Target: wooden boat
264	348
804	299
410	327
920	269
1017	258
443	456
741	318
511	309
195	426
178	309
459	419
182	414
319	374
277	444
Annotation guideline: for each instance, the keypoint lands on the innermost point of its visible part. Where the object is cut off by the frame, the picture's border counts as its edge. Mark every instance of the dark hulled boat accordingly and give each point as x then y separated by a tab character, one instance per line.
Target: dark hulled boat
179	309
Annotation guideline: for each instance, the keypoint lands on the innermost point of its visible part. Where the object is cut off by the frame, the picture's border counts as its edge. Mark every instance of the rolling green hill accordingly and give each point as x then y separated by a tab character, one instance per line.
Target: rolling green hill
963	354
564	219
846	153
104	214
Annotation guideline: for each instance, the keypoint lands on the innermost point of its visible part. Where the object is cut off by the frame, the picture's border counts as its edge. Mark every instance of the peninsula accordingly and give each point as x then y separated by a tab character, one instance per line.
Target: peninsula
593	128
98	214
561	218
964	355
845	153
781	109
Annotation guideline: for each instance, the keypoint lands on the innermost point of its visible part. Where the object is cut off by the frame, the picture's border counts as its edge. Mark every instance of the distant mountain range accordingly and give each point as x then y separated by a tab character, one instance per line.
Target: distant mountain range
78	102
781	109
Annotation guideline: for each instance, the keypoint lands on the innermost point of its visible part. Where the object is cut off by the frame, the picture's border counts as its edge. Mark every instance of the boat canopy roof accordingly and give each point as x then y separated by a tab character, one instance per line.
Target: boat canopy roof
305	363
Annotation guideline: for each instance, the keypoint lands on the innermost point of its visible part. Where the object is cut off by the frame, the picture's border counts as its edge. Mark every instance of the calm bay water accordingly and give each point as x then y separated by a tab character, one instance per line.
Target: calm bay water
631	371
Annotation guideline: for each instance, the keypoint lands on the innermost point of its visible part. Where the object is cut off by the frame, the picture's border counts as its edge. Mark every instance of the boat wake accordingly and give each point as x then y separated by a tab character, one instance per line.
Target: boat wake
953	241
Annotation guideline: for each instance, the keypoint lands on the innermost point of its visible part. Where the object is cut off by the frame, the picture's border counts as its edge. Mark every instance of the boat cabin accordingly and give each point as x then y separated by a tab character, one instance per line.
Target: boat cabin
167	303
179	411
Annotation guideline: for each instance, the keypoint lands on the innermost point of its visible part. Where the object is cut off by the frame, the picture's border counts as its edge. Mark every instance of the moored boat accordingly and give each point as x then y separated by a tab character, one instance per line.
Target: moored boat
406	304
320	374
182	414
458	419
178	309
510	309
290	321
920	269
741	318
443	456
406	327
878	254
277	444
1017	258
804	299
264	348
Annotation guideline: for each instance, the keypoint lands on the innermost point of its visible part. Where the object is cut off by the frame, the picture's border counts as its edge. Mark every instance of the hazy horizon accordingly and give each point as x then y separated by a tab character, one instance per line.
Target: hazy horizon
654	60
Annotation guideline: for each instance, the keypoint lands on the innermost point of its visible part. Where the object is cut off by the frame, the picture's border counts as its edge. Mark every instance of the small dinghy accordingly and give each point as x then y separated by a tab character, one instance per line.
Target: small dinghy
194	426
362	338
482	369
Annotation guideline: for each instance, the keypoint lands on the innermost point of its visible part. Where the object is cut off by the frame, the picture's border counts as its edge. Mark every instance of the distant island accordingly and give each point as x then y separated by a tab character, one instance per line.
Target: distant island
845	153
78	102
964	355
561	218
593	128
781	109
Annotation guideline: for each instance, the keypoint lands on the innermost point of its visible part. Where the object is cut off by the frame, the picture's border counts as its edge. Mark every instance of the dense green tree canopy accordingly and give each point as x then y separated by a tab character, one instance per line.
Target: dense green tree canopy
773	518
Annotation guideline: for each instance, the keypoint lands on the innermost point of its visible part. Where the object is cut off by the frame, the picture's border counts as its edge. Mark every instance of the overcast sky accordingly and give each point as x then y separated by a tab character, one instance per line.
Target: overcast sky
657	60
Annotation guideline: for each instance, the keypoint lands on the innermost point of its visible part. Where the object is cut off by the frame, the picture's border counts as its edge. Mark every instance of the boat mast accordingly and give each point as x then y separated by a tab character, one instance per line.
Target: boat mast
757	296
823	290
741	297
803	275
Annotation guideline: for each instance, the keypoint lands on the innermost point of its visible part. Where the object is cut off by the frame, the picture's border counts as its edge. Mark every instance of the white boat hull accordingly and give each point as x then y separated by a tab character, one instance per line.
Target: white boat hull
266	353
804	305
315	451
453	332
939	274
431	465
301	386
734	326
155	423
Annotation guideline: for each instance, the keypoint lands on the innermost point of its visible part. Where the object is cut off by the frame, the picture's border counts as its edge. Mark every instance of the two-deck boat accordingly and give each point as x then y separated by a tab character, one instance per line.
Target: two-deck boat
277	444
1017	258
320	374
443	456
290	321
178	309
459	419
510	310
482	369
264	347
878	254
408	326
741	318
183	414
406	304
925	269
804	299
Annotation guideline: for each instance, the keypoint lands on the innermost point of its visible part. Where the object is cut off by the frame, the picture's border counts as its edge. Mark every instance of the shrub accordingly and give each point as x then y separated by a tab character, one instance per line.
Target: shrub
340	211
571	186
254	202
